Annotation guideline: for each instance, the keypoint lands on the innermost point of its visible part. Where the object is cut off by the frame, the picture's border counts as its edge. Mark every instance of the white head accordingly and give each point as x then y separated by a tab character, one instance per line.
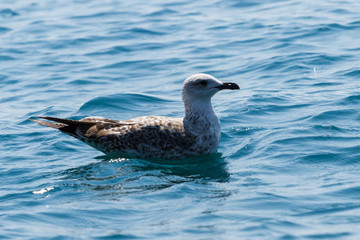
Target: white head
202	87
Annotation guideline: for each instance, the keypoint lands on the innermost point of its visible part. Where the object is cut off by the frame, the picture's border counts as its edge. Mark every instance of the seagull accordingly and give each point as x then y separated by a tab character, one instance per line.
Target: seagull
155	136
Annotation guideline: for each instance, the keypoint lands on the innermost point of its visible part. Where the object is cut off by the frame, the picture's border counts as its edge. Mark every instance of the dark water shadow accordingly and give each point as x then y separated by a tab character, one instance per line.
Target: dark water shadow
211	167
125	176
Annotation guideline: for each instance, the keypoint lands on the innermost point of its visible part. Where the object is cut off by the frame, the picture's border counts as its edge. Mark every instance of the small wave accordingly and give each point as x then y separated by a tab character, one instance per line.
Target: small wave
145	31
351	99
4	30
325	157
129	102
6	13
350	192
6	58
111	51
109	14
241	4
353	73
162	12
330	208
331	115
136	64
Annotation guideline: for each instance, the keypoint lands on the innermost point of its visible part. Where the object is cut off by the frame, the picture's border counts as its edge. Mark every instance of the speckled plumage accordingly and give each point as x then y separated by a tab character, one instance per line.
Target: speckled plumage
155	136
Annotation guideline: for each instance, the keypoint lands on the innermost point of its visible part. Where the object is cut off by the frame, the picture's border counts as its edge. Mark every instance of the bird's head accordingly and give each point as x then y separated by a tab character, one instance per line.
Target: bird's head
203	86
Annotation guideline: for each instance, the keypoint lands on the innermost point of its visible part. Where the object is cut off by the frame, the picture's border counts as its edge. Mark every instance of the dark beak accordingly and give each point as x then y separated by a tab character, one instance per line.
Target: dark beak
228	85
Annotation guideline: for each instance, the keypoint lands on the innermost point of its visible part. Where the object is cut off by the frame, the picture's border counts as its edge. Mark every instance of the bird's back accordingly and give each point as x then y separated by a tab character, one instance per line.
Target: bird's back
147	137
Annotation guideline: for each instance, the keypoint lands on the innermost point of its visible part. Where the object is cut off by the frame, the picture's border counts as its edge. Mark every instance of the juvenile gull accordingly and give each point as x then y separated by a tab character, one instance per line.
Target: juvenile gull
156	136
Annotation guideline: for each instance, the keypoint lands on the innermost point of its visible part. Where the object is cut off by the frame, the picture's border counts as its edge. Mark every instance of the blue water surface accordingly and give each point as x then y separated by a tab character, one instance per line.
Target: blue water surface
288	163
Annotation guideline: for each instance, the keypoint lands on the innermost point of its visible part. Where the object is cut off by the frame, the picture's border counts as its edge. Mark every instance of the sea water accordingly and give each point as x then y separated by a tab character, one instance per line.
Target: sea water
288	163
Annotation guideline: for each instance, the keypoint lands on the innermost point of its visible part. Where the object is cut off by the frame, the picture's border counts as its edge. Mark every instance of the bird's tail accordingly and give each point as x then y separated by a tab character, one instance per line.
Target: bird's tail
56	125
67	126
58	122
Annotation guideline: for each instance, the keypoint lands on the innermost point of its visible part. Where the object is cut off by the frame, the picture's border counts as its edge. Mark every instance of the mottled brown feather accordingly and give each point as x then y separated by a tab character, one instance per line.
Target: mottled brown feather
148	137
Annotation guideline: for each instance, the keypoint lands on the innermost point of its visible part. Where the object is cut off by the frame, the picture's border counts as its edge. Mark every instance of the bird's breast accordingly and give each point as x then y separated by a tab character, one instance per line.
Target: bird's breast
207	132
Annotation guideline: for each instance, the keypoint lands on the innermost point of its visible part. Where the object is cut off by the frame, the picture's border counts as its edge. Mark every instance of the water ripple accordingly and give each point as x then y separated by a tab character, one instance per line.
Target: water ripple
287	164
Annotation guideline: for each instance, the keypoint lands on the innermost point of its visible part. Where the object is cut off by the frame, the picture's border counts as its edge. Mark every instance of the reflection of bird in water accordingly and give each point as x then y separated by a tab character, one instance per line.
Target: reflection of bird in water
156	136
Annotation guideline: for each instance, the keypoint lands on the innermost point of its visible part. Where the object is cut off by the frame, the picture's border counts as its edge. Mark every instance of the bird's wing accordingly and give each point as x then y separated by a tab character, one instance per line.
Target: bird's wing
150	134
143	135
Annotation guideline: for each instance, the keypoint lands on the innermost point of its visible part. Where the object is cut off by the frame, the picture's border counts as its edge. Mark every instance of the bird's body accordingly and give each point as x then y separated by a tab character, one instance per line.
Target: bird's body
155	136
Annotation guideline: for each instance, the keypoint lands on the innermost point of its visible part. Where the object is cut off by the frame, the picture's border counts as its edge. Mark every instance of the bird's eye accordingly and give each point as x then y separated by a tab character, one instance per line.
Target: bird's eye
204	82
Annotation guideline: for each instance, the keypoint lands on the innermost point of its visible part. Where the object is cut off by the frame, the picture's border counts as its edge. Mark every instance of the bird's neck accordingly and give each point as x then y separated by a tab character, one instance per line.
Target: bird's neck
200	117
